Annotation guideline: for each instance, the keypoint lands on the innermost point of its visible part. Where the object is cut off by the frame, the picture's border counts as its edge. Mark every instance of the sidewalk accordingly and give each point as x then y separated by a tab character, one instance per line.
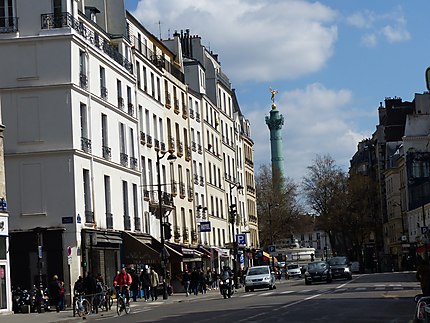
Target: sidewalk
67	315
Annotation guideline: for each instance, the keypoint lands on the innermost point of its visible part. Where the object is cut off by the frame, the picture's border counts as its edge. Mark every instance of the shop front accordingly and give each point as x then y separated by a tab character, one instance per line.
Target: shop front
138	252
5	286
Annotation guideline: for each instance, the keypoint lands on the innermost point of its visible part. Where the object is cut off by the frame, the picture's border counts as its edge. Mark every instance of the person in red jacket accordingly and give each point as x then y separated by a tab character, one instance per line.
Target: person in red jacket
122	283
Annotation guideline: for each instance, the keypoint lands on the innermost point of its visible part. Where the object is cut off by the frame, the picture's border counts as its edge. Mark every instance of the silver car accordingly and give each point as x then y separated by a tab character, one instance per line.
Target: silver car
259	277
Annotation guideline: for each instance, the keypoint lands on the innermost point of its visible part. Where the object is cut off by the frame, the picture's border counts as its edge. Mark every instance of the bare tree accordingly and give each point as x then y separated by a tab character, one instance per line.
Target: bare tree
278	210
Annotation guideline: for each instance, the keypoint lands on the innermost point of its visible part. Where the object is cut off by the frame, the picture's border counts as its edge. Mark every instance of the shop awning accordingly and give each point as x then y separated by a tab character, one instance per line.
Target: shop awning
422	249
222	252
137	250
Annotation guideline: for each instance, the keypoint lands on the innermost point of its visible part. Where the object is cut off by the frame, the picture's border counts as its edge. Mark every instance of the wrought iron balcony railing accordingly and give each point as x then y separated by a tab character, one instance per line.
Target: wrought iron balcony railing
199	149
162	147
130	109
197	117
196	179
103	92
142	138
123	159
83	81
191	113
107	152
65	19
149	140
86	144
127	222
133	162
156	144
194	146
121	103
8	25
137	225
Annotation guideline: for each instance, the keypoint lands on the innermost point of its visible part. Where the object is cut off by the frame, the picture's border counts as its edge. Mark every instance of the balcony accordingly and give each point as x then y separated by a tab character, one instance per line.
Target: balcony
176	109
86	144
127	222
121	103
171	145
199	149
103	92
174	189
89	216
168	100
133	163
190	194
197	117
180	149
181	190
185	235
187	153
193	146
65	19
107	153
191	113
83	81
8	25
156	144
149	141
130	109
162	147
202	181
123	159
109	220
253	219
142	138
196	179
184	111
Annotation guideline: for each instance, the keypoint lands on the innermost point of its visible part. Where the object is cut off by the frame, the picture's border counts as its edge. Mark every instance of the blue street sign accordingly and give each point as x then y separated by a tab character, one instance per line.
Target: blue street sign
241	238
424	230
259	253
205	226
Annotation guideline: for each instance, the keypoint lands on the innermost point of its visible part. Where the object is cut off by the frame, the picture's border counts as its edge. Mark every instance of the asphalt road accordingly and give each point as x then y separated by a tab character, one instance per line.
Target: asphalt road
386	297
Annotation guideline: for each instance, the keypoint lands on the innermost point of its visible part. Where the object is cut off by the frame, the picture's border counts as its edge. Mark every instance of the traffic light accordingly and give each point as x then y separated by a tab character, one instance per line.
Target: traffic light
233	212
167	230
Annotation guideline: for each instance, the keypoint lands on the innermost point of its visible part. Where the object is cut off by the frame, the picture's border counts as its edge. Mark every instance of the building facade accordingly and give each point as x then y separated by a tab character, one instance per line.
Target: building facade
123	143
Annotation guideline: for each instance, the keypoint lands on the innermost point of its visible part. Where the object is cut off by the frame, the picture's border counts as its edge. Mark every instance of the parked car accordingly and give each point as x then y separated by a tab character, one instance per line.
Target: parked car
259	277
293	270
340	267
318	271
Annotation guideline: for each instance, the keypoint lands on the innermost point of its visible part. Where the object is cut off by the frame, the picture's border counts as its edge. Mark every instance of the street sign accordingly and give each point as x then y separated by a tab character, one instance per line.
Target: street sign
424	230
272	249
69	251
205	226
67	220
39	249
241	239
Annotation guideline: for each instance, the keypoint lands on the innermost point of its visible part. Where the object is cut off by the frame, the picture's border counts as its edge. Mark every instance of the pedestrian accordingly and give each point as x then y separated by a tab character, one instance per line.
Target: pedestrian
209	278
78	287
202	281
194	284
423	276
153	278
54	292
186	280
134	284
215	278
62	296
122	284
145	282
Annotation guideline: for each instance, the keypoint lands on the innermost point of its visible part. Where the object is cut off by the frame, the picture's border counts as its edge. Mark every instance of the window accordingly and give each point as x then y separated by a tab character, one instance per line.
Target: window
103	89
87	197
145	82
139	82
108	207
7	15
84	121
122	141
136	209
104	131
83	80
127	224
158	90
152	85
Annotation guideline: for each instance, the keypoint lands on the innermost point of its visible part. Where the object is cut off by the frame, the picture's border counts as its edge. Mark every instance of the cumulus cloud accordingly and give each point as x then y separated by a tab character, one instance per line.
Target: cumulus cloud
316	122
258	40
391	26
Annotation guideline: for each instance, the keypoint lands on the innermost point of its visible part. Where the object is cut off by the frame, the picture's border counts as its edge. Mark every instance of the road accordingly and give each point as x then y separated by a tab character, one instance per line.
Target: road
386	297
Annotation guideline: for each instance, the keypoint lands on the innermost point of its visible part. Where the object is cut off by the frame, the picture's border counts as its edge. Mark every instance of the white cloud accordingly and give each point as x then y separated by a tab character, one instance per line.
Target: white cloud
282	39
391	26
316	122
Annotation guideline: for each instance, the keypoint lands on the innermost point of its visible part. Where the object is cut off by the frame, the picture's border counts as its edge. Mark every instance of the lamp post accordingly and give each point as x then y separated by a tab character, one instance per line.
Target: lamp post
233	213
164	254
271	229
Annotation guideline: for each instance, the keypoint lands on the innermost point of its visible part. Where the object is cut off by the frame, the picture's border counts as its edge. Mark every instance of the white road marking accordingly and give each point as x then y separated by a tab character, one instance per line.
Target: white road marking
247	295
265	294
287	292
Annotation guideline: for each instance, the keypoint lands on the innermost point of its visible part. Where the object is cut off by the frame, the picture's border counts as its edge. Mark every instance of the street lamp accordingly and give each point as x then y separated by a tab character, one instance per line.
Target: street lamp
233	213
271	230
164	253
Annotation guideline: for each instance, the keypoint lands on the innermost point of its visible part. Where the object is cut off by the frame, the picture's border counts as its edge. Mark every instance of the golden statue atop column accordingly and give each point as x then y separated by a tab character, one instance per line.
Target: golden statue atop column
273	97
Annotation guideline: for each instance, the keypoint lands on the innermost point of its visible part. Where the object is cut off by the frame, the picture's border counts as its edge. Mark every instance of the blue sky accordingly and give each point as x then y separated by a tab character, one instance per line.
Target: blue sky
331	61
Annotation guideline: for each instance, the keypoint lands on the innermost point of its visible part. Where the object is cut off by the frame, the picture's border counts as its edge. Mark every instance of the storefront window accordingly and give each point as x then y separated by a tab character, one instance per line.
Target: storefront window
3	287
3	248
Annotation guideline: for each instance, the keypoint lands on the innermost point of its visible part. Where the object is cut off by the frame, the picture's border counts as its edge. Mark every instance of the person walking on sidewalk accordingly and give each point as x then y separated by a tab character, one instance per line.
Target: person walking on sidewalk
134	287
195	281
153	278
215	280
145	282
186	280
54	292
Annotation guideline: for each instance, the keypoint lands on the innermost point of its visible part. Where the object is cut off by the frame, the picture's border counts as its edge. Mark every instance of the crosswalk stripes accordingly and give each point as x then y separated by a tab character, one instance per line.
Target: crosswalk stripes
287	292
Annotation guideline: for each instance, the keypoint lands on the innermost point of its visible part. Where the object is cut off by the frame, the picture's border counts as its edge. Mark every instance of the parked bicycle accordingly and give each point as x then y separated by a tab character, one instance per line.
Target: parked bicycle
122	299
105	300
81	305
